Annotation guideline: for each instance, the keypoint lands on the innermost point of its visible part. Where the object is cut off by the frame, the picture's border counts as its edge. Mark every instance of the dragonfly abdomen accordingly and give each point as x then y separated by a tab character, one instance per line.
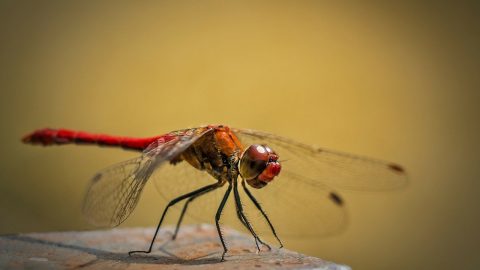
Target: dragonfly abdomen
49	136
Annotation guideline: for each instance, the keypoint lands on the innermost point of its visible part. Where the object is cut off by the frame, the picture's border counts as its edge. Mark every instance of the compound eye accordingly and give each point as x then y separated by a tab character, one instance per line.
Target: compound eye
254	161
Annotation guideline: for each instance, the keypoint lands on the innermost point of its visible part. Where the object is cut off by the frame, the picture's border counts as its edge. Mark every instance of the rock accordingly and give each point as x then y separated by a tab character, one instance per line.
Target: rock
197	246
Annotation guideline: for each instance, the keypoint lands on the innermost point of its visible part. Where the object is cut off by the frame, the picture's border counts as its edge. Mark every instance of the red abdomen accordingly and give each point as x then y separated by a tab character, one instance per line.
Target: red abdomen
64	136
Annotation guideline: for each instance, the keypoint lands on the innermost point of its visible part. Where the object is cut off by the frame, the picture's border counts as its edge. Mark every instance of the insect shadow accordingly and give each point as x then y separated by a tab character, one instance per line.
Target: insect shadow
102	255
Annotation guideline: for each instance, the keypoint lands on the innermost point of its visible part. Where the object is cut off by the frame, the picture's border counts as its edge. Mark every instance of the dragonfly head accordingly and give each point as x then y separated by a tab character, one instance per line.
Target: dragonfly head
259	165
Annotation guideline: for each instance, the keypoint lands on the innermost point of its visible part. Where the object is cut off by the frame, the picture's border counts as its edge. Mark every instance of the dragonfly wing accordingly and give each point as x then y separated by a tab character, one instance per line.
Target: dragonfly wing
318	166
114	192
301	201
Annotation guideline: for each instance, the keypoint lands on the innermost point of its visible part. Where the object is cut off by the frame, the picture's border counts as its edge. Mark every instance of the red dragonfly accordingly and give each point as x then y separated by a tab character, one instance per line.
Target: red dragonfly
301	197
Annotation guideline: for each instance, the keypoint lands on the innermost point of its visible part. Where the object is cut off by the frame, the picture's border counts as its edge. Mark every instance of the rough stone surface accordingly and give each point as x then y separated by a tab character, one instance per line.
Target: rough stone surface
196	247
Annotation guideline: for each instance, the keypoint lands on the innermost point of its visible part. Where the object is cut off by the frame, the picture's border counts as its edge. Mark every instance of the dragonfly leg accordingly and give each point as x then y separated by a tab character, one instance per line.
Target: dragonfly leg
217	219
186	206
171	203
243	218
259	207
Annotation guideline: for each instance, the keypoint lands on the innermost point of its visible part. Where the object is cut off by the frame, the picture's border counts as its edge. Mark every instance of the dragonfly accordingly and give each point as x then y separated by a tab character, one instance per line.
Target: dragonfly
272	178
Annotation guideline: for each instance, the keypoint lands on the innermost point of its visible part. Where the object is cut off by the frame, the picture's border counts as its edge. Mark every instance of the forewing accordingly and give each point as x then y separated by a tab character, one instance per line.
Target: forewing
114	192
318	166
301	201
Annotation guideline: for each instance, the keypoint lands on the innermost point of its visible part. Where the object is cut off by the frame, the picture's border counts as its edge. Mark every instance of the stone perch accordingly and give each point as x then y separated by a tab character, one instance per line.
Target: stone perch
196	247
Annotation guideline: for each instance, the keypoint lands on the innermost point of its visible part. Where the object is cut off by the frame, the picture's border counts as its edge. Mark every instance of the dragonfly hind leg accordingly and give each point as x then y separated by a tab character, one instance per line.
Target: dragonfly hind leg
259	207
171	203
243	218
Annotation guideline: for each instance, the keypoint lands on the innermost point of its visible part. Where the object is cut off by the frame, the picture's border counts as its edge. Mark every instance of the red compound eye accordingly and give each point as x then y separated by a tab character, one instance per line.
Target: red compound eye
259	164
253	161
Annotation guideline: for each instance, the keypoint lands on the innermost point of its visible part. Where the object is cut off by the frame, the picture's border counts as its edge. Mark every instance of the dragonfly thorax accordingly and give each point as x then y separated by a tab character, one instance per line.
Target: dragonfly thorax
216	153
259	165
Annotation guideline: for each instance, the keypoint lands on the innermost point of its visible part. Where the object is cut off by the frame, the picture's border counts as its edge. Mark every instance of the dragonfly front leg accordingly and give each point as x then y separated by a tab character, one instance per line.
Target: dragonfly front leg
171	203
259	207
217	219
243	218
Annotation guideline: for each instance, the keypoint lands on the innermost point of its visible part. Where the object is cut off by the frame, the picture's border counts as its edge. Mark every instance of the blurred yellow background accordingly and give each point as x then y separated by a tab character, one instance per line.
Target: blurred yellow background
393	81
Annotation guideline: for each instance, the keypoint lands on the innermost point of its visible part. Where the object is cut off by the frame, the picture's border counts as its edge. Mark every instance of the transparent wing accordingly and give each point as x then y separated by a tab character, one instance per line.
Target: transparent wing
114	192
299	203
318	166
